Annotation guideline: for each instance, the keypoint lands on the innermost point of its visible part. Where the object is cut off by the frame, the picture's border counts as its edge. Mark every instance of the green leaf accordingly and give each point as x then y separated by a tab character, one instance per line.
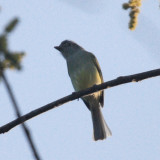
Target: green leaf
3	43
11	25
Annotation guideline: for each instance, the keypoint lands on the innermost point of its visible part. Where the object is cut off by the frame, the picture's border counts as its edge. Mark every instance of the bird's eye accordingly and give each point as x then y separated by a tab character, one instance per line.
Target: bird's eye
65	44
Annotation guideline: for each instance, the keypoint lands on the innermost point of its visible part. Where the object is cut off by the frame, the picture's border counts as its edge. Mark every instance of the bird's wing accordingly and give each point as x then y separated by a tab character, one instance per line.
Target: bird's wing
87	104
94	59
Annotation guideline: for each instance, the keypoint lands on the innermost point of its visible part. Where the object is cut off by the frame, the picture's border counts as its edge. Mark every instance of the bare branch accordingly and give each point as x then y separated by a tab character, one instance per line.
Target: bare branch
24	127
75	95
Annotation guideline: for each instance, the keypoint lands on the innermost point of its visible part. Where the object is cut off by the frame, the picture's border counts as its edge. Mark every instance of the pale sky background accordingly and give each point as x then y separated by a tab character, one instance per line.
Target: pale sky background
132	111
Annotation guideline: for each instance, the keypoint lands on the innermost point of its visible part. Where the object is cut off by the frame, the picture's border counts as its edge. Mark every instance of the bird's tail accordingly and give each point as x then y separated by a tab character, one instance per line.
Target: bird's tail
100	127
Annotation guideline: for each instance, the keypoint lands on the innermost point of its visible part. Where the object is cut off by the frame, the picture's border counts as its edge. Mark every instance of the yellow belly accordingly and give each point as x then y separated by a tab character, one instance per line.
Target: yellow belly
85	78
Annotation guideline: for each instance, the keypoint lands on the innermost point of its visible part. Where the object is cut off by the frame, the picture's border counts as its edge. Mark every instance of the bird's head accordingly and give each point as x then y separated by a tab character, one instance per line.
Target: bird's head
68	48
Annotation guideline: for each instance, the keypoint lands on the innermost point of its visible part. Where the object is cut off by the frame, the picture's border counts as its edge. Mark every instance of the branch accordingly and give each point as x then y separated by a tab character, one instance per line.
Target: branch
75	95
16	108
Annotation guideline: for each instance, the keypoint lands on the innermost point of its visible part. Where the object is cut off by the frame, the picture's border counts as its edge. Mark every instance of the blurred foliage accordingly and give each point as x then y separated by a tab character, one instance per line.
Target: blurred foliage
134	5
9	28
3	43
9	59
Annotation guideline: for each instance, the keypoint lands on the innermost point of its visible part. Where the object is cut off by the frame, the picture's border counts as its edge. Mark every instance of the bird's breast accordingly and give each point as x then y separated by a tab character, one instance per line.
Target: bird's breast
84	76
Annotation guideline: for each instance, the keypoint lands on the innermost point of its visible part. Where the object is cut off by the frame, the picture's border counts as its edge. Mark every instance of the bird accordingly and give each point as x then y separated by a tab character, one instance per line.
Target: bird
84	72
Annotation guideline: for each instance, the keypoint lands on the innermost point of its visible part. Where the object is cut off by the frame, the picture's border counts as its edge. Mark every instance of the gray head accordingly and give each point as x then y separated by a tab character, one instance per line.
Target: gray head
68	48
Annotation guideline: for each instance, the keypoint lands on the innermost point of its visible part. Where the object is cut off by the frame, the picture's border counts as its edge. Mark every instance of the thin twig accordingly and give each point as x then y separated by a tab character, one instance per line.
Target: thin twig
16	108
75	95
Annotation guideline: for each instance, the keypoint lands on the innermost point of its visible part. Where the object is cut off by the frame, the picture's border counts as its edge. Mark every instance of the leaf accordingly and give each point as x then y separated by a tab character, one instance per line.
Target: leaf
10	27
3	43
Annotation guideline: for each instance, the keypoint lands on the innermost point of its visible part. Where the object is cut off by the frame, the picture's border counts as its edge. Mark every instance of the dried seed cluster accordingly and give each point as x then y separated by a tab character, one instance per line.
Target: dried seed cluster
134	5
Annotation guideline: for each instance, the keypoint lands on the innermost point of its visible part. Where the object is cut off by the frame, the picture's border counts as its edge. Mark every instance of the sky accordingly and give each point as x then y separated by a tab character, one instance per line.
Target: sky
101	27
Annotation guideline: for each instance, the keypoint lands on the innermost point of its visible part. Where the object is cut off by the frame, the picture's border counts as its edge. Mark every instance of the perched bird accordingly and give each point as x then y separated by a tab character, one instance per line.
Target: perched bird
84	71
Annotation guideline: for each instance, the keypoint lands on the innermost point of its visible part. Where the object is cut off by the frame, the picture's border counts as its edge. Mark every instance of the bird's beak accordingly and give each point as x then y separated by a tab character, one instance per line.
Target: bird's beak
58	48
